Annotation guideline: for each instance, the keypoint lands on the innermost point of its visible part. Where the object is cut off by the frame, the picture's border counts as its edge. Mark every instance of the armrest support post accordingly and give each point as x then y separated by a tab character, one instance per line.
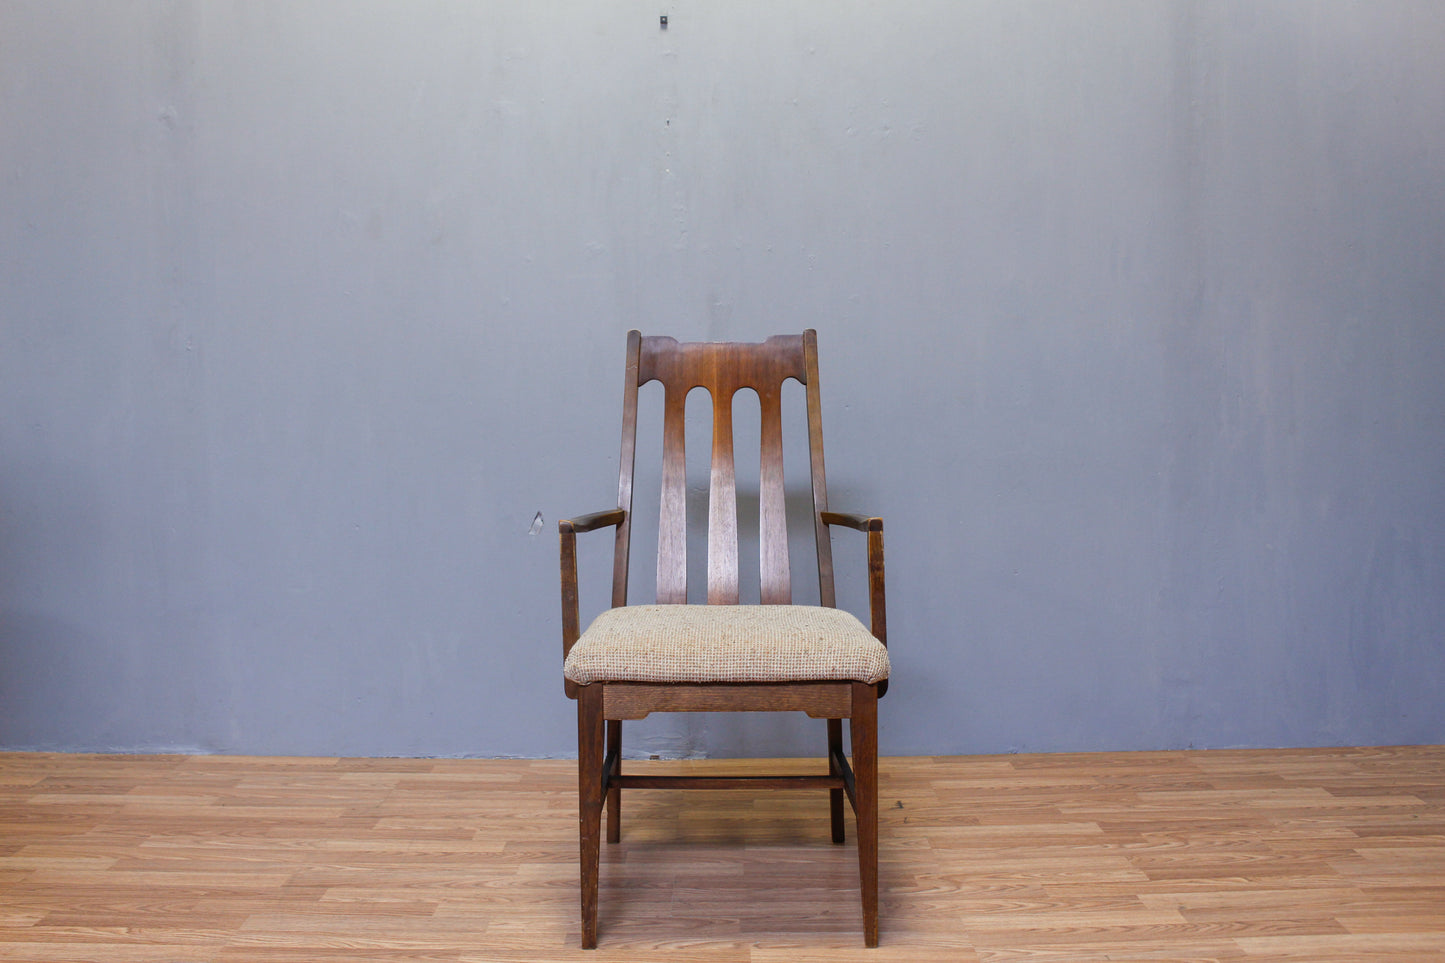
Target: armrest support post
567	530
877	605
877	608
570	617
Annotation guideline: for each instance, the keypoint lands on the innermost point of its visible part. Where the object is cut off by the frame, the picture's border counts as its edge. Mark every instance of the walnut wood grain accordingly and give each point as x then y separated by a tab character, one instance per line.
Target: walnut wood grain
860	523
877	600
820	700
773	570
590	741
729	782
863	729
723	369
593	521
626	469
722	514
567	530
672	517
817	473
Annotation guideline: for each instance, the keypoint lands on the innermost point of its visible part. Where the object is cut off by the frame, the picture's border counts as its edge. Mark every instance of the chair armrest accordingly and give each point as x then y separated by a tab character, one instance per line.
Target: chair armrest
862	523
593	521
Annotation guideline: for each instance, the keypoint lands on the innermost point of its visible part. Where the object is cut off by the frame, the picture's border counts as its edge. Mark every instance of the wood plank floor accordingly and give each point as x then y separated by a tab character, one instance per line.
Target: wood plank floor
1218	855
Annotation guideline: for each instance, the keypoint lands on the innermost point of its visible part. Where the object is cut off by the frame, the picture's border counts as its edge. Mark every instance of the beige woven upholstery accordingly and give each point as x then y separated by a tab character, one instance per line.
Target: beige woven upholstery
726	643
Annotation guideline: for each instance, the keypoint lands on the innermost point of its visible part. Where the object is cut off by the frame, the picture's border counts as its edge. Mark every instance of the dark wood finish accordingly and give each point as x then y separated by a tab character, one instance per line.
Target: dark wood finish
819	475
567	530
877	606
594	521
863	728
723	369
877	603
730	782
637	700
571	628
722	510
589	797
776	588
672	522
627	464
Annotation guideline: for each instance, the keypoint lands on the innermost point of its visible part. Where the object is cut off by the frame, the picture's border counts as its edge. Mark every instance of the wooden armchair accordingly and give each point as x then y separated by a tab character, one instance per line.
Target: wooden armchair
724	657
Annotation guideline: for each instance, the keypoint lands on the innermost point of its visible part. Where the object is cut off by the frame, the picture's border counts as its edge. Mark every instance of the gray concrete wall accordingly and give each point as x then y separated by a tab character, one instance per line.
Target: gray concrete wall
1130	314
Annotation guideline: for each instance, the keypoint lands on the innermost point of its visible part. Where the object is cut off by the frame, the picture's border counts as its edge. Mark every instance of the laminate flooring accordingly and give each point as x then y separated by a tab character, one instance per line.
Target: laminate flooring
1258	855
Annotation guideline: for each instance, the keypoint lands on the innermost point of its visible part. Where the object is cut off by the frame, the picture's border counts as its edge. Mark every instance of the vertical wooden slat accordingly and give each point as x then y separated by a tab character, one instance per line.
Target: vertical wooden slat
723	369
772	501
722	507
626	468
826	595
672	516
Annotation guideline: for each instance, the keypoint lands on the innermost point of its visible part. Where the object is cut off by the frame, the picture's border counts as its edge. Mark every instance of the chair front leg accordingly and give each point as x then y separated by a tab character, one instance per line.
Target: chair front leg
590	739
864	731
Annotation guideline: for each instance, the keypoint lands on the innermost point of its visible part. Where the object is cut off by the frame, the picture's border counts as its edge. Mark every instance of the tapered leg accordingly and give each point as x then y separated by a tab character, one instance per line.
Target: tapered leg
835	796
864	731
590	740
614	795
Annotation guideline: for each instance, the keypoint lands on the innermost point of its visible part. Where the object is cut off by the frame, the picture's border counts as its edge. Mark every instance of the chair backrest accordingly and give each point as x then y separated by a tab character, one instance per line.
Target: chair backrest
722	369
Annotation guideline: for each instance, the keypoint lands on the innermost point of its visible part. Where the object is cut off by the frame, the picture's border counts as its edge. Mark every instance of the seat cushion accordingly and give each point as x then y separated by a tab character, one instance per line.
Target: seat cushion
726	643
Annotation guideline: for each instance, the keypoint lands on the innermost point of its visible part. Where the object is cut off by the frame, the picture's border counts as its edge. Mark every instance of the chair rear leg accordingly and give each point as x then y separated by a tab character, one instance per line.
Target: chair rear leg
835	796
864	731
590	739
614	795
